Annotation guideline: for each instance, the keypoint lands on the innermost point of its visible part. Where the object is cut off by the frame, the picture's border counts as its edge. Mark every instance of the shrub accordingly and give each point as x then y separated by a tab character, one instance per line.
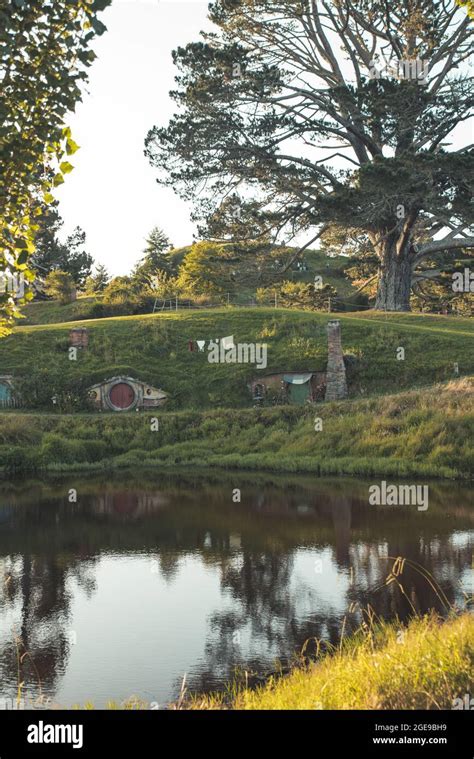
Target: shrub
58	450
303	295
17	459
59	284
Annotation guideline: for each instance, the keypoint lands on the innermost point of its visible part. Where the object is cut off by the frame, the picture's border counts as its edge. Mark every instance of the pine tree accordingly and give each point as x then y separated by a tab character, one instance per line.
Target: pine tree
98	281
156	258
51	254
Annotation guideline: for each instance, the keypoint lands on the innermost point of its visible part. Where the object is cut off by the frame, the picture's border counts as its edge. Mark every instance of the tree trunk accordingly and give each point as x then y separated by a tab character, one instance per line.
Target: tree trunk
394	286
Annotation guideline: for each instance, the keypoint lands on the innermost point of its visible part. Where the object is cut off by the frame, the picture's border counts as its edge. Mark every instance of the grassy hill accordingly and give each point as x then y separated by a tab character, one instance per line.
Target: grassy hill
155	348
395	422
51	311
332	270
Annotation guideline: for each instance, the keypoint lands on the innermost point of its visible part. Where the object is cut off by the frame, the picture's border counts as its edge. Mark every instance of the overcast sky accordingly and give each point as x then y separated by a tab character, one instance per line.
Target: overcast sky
112	193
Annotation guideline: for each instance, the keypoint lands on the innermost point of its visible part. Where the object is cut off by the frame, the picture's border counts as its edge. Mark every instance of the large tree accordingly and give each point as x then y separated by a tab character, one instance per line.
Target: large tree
331	112
44	56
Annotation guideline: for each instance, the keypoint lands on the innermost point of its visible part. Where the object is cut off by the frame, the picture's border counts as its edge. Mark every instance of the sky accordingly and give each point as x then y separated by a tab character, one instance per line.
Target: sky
112	192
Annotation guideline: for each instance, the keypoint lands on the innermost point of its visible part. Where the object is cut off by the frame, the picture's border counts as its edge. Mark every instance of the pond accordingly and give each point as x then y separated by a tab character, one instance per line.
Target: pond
116	585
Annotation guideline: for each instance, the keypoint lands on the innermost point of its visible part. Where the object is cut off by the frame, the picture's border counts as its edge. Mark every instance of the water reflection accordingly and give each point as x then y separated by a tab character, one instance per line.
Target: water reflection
138	582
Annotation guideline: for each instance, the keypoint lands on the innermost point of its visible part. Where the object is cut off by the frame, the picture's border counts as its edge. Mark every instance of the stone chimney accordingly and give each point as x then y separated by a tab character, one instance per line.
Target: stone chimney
336	385
78	337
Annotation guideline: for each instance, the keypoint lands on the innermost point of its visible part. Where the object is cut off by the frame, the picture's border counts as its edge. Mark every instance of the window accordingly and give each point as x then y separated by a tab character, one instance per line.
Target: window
258	392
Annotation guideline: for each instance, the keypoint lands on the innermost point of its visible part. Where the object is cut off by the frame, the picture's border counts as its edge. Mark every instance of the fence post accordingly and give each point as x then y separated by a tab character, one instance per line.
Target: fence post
176	303
276	299
329	305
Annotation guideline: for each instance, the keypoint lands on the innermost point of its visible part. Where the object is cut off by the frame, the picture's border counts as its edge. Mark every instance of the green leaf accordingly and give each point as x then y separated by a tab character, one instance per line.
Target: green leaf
66	167
98	26
71	147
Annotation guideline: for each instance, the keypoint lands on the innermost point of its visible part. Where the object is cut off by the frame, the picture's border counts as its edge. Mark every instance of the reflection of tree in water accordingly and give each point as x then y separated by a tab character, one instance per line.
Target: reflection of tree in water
440	559
37	588
267	615
264	611
267	618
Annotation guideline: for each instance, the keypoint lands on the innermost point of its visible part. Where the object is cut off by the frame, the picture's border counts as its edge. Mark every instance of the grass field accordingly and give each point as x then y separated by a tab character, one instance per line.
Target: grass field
51	311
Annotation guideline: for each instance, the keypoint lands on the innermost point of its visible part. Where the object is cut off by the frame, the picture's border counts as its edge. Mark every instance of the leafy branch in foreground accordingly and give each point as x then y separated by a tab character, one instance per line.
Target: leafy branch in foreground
44	56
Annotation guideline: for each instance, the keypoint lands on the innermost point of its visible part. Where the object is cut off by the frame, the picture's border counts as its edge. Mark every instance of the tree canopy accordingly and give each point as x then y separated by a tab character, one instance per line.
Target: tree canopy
212	268
98	281
337	112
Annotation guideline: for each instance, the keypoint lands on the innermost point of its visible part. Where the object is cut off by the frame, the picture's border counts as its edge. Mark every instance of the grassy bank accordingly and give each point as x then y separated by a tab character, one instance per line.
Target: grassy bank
427	432
424	666
155	349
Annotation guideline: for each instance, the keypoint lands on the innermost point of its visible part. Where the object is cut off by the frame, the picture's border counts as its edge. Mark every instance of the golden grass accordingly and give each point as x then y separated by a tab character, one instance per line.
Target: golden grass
423	666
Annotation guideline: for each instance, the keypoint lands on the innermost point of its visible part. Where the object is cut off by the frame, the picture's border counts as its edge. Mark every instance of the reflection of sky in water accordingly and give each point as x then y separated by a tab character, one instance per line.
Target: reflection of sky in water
140	625
141	621
461	540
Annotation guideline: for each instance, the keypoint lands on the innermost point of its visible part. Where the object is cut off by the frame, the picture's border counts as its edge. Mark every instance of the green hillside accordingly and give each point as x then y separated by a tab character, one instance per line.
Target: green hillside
388	426
155	348
51	311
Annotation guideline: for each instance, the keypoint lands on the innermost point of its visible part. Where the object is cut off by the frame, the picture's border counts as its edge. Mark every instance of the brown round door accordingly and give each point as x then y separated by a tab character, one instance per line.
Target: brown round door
122	395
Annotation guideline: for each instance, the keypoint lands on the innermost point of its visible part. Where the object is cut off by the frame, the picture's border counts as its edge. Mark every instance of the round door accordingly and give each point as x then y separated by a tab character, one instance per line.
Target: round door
122	395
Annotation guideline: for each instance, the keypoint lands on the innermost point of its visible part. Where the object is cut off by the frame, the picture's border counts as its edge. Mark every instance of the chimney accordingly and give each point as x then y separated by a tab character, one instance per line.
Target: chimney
78	337
336	385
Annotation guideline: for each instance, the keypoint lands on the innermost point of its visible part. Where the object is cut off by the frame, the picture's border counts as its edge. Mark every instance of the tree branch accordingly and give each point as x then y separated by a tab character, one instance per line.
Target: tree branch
447	243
